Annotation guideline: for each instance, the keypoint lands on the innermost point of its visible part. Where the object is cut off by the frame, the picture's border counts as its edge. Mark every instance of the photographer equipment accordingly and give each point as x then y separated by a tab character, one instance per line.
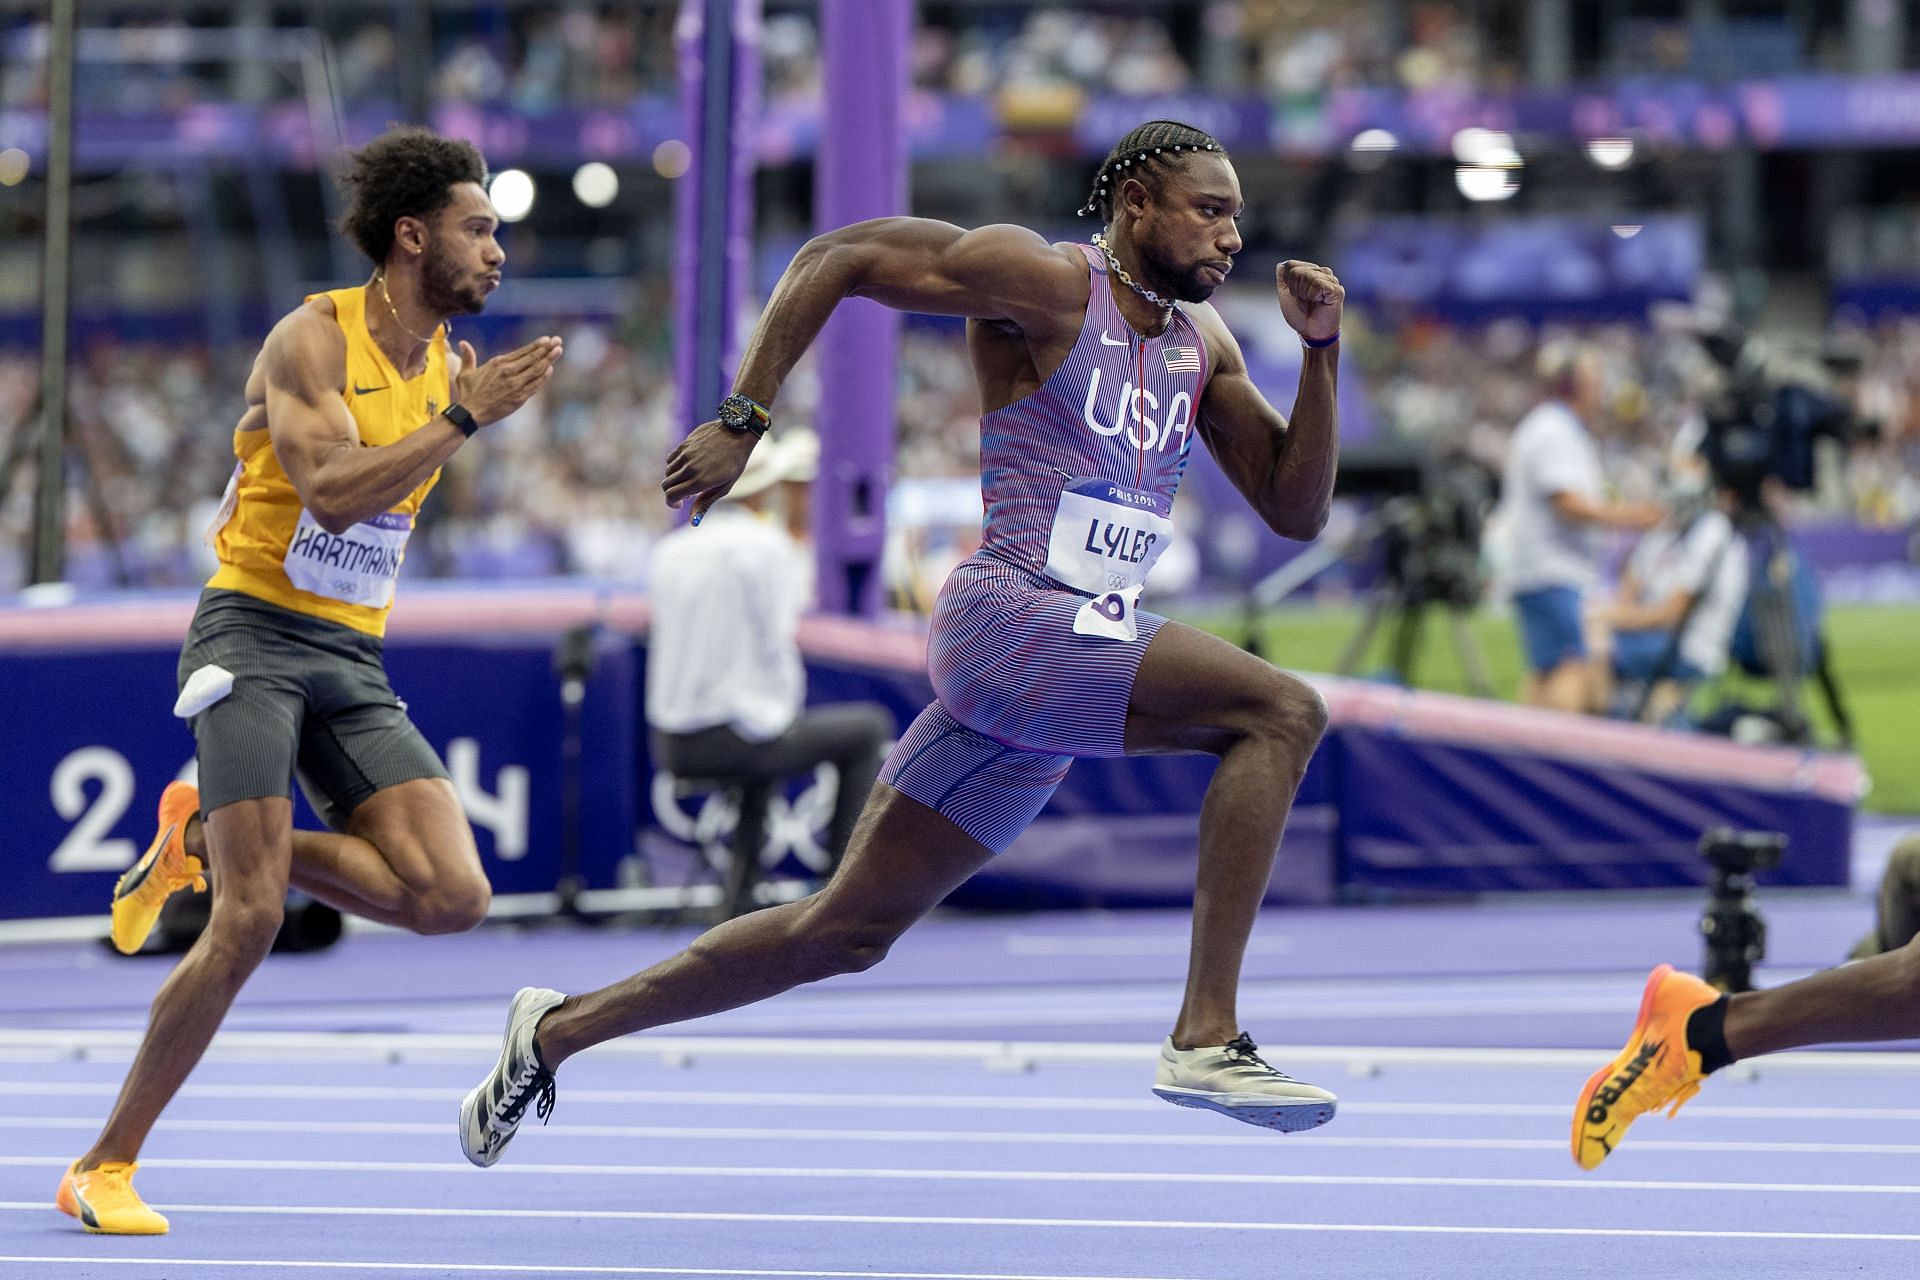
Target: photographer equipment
1762	428
1735	933
572	663
1426	532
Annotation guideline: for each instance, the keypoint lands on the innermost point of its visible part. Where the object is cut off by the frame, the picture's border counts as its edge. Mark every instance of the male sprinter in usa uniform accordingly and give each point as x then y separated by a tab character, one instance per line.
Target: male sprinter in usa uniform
1098	366
353	404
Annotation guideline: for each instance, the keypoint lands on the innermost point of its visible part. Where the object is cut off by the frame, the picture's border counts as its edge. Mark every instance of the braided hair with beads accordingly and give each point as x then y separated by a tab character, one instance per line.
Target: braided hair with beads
1153	148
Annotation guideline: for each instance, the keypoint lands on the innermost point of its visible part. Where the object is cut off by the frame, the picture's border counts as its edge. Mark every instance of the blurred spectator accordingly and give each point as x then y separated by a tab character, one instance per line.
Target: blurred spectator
726	689
1553	496
1672	617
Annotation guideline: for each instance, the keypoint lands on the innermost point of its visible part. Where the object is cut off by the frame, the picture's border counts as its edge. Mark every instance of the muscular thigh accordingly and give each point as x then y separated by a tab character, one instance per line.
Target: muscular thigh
904	858
421	832
358	741
247	740
1196	692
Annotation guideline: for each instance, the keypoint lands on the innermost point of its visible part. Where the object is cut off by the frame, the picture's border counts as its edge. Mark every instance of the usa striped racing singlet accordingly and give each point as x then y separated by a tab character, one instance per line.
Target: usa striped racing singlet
1036	639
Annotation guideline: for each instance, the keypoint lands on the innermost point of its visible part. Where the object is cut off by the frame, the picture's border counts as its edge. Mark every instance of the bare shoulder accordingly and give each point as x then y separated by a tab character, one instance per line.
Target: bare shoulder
1025	254
306	349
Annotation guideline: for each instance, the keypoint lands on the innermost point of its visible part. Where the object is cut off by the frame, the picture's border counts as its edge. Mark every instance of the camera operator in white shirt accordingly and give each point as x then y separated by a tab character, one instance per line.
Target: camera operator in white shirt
1554	502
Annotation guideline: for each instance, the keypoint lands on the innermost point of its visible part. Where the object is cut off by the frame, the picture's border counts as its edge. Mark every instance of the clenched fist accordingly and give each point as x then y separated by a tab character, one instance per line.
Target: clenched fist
1311	298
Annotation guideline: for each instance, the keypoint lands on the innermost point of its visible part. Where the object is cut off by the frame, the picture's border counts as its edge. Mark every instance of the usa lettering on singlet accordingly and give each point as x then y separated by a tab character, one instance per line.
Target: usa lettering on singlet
1079	477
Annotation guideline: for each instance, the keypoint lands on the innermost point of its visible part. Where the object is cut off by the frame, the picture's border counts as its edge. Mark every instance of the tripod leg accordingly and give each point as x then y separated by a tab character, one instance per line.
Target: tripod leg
1362	637
1473	663
1406	639
1836	703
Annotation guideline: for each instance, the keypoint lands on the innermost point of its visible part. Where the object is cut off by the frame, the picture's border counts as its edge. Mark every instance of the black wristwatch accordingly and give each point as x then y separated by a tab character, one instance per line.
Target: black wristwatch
459	417
744	413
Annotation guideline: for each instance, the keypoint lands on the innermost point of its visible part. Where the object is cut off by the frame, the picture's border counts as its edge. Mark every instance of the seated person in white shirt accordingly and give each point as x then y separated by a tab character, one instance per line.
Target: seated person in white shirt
725	686
1688	573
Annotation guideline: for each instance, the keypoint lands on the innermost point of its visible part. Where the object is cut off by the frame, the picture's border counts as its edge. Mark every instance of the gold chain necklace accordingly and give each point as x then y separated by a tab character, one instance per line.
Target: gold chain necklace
1113	263
380	278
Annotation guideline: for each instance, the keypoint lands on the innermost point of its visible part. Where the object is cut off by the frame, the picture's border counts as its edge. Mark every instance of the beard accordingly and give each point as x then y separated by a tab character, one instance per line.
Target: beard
446	288
1182	281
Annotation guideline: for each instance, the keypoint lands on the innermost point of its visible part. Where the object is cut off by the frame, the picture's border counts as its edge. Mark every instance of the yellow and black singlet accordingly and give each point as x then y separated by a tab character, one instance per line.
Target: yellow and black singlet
271	548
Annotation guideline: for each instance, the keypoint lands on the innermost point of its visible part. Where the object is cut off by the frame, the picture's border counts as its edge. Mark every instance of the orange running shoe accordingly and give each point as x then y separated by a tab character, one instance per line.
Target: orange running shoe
104	1200
1654	1070
164	869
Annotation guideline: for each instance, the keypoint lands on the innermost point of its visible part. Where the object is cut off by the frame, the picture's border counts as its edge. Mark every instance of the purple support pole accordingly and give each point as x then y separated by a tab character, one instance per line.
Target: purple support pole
719	50
862	174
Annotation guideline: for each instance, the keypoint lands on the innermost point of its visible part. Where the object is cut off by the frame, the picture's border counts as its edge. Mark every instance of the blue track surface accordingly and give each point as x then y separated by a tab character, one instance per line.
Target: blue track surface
830	1159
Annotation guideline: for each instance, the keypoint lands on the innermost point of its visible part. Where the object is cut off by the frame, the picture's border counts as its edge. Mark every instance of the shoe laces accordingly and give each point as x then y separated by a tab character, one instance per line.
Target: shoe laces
1243	1050
1681	1097
534	1084
110	1178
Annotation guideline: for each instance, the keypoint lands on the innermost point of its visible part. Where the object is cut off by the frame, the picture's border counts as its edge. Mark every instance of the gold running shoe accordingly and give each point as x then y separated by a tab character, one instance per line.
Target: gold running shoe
164	869
104	1200
1655	1070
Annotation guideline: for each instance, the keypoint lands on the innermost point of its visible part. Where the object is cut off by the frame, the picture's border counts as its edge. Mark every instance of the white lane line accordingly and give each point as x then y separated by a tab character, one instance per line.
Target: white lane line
975	1137
1098	1224
1465	1109
506	1268
1105	1176
388	1047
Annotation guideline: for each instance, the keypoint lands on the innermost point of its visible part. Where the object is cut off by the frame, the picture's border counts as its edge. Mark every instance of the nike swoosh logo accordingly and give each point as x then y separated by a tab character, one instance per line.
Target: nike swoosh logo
365	391
1111	342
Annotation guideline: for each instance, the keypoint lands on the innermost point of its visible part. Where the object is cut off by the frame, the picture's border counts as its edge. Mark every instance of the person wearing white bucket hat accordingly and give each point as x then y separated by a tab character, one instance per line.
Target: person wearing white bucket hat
725	685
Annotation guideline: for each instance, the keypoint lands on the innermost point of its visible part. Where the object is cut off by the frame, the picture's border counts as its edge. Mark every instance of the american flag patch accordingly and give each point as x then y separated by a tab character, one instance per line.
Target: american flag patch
1182	359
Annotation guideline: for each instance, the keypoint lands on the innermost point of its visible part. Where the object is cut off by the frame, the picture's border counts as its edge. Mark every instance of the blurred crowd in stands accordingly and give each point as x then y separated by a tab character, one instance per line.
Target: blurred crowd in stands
536	56
570	485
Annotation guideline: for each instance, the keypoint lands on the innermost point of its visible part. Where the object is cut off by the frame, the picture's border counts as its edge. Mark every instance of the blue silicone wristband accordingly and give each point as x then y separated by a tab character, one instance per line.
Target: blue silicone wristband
1317	344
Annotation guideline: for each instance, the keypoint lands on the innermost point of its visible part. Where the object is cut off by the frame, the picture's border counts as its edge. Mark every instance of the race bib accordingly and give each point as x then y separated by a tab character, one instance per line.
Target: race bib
1106	536
1110	616
359	566
229	503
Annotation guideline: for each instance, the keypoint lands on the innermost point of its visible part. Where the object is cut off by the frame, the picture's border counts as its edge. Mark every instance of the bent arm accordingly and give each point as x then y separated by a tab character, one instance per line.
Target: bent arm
1569	505
340	481
1284	468
1627	615
910	264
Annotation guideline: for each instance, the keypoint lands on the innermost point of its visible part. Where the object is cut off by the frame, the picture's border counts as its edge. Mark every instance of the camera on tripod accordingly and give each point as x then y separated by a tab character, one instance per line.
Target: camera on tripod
1761	425
1735	932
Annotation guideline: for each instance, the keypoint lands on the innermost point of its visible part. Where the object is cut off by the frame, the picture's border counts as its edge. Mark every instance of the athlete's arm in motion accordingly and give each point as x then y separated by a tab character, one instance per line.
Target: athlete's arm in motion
1284	467
304	366
1000	273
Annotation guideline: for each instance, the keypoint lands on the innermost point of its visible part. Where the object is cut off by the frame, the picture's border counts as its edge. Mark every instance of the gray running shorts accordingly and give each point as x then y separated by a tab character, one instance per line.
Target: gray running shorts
310	699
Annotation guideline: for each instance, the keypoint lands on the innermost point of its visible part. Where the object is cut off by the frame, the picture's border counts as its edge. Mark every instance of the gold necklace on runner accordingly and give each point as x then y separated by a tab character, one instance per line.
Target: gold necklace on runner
380	278
1113	263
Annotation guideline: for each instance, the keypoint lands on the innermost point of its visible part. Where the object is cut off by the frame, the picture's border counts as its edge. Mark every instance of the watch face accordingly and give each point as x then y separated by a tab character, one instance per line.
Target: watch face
733	414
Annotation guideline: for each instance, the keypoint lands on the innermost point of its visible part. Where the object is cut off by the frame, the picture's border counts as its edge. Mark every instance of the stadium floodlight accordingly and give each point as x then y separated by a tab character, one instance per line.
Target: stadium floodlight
513	193
1486	148
1611	153
595	184
1481	183
1370	148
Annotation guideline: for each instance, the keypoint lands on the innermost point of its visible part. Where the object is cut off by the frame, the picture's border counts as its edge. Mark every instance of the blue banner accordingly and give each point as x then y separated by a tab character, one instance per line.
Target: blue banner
1484	796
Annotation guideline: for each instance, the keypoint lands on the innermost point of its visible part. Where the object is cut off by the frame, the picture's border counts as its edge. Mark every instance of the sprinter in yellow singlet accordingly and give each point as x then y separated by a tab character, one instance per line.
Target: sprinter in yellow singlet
353	405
